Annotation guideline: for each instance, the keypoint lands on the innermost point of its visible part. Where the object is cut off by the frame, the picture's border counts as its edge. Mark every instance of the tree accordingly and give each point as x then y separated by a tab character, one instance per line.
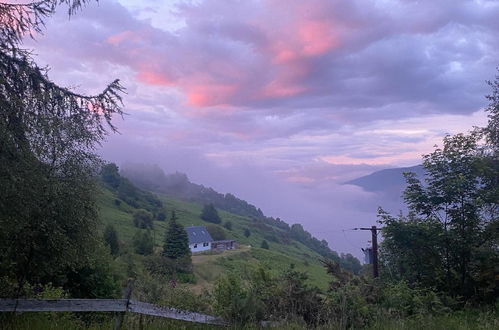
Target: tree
449	239
48	135
228	225
143	243
176	243
110	175
264	245
216	232
210	214
143	219
247	232
111	238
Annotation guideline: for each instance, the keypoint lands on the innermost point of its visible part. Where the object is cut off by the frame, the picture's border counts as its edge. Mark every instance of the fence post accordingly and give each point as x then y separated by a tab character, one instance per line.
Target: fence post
127	296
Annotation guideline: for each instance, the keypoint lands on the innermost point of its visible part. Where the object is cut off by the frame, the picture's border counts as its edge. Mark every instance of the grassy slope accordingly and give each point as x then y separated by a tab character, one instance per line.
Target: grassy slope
277	258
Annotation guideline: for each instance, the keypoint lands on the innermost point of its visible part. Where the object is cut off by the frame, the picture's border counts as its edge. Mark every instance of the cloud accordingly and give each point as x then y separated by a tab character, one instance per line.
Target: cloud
298	95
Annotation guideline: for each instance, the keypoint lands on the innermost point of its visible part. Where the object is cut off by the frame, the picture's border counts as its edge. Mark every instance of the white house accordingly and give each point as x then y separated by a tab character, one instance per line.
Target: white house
199	238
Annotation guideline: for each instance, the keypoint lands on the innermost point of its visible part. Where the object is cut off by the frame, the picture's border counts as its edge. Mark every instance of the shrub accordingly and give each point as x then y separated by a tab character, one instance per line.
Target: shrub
247	232
111	238
228	225
143	243
264	245
143	219
210	214
216	232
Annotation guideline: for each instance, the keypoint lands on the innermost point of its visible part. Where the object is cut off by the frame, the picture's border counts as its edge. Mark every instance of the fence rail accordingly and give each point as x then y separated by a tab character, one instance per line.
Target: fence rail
104	305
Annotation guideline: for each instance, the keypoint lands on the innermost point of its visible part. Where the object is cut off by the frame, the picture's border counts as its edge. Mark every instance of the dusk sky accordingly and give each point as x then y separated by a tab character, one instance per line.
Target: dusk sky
281	101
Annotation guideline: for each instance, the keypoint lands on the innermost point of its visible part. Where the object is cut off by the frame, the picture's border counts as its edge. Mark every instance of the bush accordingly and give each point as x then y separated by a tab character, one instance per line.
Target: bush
111	238
235	303
210	214
161	216
167	267
228	225
264	245
143	243
216	232
98	279
143	219
247	232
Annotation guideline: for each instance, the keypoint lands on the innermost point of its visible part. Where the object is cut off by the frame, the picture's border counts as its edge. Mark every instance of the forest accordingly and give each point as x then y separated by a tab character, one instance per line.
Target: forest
62	233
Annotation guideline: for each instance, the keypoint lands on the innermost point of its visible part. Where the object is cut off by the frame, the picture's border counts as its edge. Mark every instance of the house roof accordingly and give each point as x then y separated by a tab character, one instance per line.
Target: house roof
198	234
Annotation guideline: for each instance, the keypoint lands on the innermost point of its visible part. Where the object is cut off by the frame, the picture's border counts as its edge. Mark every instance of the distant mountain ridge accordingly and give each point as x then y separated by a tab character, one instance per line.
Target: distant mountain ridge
152	178
387	181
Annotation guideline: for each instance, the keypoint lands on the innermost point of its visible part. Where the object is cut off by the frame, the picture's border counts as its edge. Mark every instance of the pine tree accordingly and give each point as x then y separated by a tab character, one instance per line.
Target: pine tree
176	240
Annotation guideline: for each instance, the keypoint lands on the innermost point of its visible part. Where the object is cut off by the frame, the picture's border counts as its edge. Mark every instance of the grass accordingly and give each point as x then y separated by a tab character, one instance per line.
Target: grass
463	320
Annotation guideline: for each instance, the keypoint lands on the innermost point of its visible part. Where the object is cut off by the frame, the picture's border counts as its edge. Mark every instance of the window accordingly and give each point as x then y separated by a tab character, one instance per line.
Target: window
195	245
205	244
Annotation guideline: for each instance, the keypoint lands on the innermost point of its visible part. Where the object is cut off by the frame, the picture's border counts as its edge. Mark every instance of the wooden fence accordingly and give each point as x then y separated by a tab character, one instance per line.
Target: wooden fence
105	305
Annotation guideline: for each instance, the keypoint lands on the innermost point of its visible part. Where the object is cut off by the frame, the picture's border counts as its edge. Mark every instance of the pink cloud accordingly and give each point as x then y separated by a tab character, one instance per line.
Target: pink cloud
210	94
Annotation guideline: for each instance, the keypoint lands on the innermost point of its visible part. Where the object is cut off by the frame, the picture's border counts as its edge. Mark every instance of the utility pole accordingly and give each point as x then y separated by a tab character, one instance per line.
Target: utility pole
374	233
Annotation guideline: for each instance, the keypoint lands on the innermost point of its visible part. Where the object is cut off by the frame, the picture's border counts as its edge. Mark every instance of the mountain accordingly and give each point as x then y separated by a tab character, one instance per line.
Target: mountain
287	244
388	180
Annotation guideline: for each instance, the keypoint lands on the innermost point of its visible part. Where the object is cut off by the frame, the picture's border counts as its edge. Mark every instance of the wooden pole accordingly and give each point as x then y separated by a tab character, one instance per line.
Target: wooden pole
375	251
128	294
374	233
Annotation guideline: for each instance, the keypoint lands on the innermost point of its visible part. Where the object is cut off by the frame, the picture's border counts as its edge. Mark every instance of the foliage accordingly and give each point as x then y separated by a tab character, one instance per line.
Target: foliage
247	232
97	279
268	297
143	219
143	243
161	216
167	267
47	162
216	232
129	193
228	225
176	240
210	214
234	302
264	245
449	239
351	263
111	239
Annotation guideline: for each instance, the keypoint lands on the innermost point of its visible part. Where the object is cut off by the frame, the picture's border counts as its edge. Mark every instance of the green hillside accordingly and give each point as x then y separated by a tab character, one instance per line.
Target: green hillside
207	269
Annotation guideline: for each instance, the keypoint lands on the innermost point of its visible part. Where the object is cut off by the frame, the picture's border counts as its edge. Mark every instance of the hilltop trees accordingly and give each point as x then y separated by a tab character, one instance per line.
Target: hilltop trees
210	214
176	244
47	162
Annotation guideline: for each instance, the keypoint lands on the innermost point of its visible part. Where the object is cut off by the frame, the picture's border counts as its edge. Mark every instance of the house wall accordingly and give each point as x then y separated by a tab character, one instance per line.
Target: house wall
199	247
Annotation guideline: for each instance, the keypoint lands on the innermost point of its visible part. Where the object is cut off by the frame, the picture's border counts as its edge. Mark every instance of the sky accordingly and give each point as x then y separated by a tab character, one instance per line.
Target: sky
282	101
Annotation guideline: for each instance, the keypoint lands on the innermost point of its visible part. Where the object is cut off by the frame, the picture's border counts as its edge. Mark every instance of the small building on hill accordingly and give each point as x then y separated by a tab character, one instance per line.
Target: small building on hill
224	245
199	238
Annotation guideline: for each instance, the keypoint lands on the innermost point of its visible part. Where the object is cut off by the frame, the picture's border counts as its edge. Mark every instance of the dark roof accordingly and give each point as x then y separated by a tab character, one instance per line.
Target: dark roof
198	234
